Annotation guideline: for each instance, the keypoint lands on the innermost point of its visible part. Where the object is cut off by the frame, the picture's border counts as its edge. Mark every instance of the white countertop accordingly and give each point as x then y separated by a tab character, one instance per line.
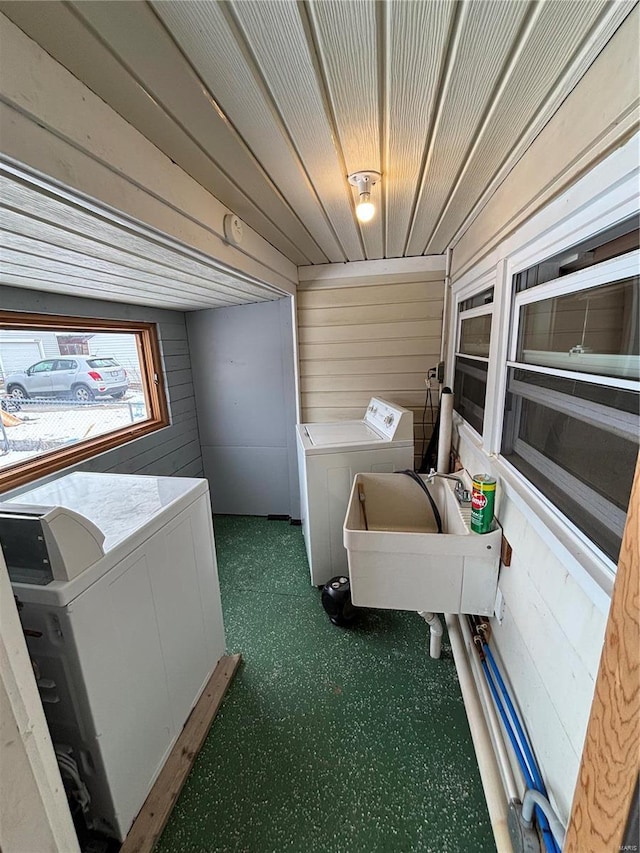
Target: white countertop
118	504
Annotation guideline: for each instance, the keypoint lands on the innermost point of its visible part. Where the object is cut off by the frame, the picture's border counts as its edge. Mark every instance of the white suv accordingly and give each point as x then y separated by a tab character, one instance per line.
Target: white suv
82	377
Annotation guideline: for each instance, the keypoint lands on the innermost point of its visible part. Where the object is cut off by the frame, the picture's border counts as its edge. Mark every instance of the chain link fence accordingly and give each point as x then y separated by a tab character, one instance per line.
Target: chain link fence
29	428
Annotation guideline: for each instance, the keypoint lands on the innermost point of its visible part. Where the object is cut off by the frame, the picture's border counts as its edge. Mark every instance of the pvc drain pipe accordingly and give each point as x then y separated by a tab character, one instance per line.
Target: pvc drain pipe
444	435
508	780
533	798
489	772
435	632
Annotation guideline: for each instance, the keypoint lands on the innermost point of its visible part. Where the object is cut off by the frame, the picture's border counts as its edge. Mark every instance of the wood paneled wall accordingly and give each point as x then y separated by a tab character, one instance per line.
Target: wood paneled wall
359	339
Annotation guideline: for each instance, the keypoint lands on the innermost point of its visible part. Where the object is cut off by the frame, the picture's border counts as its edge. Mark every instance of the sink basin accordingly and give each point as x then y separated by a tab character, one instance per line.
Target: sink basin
398	560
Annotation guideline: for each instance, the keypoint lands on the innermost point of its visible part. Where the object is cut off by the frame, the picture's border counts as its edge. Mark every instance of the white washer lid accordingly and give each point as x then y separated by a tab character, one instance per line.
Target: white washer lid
118	504
341	433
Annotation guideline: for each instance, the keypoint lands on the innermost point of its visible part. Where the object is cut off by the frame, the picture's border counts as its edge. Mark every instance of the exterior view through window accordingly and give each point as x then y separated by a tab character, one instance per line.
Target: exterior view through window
70	389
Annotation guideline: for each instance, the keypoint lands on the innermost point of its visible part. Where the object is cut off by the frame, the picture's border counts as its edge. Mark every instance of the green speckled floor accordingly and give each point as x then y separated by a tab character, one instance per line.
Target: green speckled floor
330	740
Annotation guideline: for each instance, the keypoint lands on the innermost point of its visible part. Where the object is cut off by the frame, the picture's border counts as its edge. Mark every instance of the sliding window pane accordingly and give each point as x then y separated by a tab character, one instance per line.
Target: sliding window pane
475	335
579	453
592	331
470	391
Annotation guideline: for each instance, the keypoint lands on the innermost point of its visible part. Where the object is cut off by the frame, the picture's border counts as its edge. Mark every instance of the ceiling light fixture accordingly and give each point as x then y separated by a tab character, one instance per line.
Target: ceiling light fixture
365	209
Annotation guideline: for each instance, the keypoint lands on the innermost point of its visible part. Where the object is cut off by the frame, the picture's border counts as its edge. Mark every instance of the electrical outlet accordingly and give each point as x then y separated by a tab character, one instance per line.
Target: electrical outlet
498	610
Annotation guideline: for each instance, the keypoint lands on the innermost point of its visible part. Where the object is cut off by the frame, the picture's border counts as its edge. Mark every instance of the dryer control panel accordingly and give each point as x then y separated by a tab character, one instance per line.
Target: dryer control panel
389	419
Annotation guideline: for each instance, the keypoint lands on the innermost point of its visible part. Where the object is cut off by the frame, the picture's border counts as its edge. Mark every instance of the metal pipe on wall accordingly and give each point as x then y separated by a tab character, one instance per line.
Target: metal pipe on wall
491	717
445	305
489	772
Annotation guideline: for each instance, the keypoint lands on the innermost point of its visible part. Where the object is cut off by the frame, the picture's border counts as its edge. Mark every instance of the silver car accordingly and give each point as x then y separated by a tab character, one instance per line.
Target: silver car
82	377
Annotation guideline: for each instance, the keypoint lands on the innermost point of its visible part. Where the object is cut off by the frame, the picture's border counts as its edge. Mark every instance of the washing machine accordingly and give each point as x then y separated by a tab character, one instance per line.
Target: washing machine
329	457
116	583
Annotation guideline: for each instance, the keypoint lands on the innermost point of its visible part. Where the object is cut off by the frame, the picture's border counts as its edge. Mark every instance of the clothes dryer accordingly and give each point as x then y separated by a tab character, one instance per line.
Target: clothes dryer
329	457
116	582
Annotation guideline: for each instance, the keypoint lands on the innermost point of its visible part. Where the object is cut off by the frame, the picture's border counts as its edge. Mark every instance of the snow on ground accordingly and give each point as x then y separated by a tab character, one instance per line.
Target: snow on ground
51	424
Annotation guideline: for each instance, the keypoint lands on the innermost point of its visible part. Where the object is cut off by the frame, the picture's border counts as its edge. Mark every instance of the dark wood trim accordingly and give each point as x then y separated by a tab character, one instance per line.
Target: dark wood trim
155	812
153	389
611	755
48	322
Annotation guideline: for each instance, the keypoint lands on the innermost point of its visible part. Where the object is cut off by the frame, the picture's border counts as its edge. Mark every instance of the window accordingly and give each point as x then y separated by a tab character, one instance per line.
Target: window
572	408
55	412
74	344
472	358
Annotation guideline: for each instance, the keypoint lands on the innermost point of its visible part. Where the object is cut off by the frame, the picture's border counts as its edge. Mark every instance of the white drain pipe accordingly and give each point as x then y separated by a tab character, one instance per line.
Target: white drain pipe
435	632
494	792
491	716
444	435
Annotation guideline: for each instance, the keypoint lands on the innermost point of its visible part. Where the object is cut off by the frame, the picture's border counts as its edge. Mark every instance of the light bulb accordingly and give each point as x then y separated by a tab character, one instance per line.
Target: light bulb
365	210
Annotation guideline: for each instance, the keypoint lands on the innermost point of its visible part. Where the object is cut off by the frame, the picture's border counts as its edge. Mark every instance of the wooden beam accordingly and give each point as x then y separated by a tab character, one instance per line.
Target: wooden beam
155	812
611	754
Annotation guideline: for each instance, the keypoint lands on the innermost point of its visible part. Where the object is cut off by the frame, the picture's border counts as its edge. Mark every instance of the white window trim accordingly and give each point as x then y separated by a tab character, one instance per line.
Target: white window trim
580	375
605	196
606	210
479	285
478	311
622	423
483	359
623	266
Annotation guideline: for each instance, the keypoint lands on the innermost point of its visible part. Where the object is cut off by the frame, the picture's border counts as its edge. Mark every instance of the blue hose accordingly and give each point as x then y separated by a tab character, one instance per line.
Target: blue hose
519	730
525	759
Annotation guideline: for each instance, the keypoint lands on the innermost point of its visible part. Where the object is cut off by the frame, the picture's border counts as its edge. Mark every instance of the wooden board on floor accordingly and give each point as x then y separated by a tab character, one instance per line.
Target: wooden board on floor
154	814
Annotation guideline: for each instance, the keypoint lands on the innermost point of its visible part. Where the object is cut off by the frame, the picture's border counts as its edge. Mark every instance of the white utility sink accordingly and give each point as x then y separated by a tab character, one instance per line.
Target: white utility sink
398	560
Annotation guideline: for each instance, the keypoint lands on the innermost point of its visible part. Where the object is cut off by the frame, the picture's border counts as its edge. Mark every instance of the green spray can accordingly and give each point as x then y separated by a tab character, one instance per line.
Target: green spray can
483	496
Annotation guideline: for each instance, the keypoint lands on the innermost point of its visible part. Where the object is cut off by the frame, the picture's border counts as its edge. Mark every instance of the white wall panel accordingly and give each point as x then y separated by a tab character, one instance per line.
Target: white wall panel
54	124
207	36
277	38
523	93
358	340
465	97
416	44
549	642
600	113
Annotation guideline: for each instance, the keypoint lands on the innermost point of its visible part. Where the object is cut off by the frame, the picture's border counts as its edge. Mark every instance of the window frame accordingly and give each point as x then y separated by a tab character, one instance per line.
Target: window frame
150	359
604	272
621	267
604	197
477	288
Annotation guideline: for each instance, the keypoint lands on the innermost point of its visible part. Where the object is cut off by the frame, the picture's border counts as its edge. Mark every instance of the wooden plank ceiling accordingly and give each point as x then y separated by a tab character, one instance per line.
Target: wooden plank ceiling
271	104
51	244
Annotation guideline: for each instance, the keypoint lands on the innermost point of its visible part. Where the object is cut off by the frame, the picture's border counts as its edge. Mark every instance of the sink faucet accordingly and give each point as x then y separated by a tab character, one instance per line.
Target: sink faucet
461	491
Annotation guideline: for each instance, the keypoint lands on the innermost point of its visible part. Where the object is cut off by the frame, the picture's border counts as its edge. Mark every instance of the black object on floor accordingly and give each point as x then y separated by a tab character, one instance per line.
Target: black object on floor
336	600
